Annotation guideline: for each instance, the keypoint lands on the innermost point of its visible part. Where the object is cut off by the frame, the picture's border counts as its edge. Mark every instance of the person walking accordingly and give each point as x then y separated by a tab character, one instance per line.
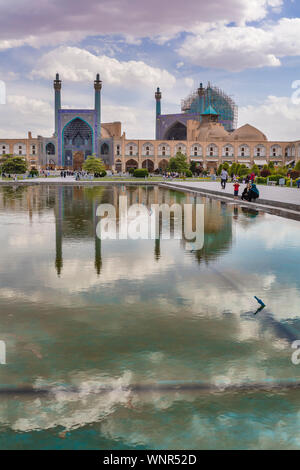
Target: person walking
224	177
298	183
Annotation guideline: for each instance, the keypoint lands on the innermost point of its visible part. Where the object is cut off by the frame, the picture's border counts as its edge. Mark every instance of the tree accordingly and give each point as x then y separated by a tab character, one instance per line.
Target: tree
219	171
17	165
93	165
178	163
243	170
265	172
193	167
4	157
271	166
232	170
297	167
255	170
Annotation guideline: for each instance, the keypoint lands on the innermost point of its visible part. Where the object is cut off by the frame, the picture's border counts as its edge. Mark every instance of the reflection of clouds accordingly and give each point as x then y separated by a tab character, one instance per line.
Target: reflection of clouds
67	409
89	404
277	232
233	291
19	241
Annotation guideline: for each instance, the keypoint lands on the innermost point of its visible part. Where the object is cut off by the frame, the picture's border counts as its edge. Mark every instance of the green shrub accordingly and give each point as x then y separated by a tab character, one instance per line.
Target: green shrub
219	171
33	172
276	178
297	167
131	171
288	182
188	174
261	180
141	173
103	174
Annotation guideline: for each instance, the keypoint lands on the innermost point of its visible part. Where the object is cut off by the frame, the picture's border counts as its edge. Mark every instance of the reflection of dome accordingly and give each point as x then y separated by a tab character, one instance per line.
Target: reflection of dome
248	132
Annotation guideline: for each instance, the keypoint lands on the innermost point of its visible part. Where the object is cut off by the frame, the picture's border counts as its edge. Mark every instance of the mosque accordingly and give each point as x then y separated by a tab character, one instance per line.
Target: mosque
205	131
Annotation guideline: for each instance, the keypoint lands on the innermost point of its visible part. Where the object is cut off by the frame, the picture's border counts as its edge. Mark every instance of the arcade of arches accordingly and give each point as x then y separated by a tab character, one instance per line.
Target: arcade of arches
207	155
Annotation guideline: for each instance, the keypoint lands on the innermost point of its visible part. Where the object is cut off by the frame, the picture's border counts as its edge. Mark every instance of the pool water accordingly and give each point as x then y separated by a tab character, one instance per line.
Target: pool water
145	344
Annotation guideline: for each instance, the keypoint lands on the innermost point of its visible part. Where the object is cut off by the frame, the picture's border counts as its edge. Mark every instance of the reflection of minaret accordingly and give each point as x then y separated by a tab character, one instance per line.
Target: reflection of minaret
59	235
157	252
157	249
98	257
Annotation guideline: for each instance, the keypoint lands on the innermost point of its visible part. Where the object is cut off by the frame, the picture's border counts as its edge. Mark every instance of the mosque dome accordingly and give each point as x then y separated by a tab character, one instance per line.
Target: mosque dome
248	132
212	131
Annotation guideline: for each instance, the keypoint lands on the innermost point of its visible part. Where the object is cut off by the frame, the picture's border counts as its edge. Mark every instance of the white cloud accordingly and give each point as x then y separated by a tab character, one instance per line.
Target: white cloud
75	64
26	114
35	21
277	116
38	41
240	47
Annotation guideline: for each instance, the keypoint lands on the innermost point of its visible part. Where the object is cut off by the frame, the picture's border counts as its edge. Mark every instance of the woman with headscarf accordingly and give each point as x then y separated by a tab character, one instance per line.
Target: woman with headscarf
253	193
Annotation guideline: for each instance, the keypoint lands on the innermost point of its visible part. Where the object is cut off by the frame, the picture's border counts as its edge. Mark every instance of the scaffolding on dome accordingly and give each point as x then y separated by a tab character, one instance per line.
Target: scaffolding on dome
225	106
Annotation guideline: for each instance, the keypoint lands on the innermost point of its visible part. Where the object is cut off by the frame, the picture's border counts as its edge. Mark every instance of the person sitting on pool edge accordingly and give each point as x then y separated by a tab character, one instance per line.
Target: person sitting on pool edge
250	192
254	192
246	191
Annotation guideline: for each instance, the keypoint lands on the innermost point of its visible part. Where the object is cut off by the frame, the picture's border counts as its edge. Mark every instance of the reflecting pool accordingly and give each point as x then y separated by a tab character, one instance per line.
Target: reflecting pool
138	344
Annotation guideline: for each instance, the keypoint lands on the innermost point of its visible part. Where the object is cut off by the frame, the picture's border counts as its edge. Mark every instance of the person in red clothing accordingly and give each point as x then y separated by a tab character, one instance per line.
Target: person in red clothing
252	177
236	190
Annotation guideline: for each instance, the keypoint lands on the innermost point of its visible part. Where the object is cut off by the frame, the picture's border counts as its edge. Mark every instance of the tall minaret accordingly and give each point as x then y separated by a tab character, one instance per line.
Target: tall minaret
158	109
201	94
158	102
98	87
57	101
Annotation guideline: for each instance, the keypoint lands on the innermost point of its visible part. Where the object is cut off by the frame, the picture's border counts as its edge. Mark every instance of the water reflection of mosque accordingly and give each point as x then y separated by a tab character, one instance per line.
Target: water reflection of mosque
75	217
75	214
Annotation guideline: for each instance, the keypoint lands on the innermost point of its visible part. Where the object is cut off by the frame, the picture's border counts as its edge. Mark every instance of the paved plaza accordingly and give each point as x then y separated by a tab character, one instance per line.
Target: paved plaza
275	195
288	198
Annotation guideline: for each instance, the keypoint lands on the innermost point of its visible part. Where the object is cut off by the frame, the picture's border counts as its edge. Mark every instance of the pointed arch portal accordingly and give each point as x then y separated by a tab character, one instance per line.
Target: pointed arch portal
78	139
176	131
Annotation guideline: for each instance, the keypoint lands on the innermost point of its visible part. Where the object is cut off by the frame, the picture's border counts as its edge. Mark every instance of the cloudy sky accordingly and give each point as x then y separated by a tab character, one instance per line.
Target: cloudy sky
250	49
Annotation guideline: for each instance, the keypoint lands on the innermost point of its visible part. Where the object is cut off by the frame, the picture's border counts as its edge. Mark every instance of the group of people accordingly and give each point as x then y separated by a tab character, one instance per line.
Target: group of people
170	175
250	193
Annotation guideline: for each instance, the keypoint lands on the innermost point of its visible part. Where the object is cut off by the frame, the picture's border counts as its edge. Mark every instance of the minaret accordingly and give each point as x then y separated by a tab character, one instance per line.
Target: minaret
98	87
57	100
158	102
201	94
158	109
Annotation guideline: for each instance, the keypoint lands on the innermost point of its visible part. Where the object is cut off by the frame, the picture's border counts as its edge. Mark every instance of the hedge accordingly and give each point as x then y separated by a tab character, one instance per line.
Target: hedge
277	178
260	180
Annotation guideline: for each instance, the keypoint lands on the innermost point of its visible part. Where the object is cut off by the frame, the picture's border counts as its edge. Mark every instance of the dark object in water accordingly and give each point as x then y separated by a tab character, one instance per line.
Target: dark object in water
259	309
259	301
